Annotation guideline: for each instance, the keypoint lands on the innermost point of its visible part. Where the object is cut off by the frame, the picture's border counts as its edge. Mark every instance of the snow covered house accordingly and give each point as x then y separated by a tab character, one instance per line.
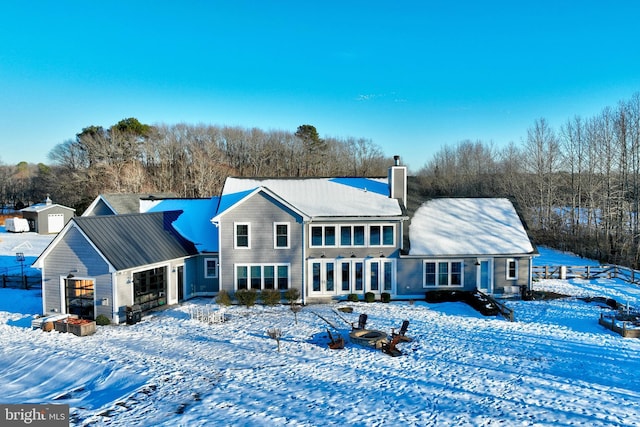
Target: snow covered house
47	217
327	237
339	236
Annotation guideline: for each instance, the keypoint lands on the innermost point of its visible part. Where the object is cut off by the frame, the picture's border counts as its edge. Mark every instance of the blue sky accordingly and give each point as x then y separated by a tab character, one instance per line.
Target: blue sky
411	76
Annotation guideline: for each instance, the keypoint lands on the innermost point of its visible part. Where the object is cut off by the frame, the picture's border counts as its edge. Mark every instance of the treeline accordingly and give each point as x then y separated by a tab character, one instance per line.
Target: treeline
185	160
578	186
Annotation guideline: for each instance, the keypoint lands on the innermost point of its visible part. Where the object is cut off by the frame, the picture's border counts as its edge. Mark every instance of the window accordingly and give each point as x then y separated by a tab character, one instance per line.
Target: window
149	287
374	279
345	235
512	269
323	235
262	276
329	236
281	235
269	277
242	235
374	235
345	276
387	235
210	268
283	277
241	277
381	235
442	273
79	297
316	236
358	235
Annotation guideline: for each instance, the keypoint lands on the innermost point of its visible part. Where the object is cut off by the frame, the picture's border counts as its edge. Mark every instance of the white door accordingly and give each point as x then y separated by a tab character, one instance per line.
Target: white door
380	276
55	222
485	276
323	277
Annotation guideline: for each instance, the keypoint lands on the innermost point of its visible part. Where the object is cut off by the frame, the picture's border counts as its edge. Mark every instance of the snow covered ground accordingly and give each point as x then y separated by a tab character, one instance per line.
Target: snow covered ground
554	366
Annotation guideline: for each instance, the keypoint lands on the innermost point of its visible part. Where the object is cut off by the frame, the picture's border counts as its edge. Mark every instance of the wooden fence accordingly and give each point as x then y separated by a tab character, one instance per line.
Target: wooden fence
21	282
586	272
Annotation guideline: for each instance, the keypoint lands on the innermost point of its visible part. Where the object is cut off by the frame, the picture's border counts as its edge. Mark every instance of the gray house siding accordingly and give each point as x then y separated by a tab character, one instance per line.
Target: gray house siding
100	208
504	285
260	211
74	255
411	270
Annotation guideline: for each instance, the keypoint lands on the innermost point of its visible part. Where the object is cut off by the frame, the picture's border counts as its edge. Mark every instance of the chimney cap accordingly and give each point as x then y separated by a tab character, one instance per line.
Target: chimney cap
396	160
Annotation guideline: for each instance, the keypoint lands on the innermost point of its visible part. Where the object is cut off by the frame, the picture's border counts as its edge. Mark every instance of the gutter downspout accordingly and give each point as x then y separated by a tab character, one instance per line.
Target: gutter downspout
304	263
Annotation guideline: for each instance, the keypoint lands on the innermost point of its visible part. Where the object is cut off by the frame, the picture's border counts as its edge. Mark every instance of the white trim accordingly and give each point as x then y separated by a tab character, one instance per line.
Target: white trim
262	266
449	263
381	262
235	235
516	265
275	235
366	235
206	269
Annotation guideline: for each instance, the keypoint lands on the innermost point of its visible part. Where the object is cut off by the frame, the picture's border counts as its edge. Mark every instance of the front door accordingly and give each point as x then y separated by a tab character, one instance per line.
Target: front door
485	276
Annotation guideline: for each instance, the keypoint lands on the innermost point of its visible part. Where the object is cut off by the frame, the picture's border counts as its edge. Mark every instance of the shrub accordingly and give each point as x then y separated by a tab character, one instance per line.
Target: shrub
352	297
223	298
369	297
247	297
270	297
102	320
292	295
385	297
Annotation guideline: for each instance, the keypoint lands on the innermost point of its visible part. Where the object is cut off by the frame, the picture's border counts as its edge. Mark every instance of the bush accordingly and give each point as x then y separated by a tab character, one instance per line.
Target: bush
292	295
102	320
352	297
223	298
385	297
247	297
270	297
369	297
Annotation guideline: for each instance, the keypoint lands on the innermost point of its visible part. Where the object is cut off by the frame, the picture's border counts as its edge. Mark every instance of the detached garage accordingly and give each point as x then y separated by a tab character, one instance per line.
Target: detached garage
47	217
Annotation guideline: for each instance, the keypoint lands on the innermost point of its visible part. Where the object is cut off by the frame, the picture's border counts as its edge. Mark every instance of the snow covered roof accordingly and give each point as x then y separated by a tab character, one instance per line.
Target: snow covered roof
322	197
39	207
195	222
468	226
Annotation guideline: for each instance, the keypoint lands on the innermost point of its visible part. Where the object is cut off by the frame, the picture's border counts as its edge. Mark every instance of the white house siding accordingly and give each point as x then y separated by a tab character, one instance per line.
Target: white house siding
261	211
73	252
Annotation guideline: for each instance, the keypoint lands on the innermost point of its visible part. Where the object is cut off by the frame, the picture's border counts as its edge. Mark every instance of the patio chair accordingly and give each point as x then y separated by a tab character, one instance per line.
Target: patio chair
362	322
401	333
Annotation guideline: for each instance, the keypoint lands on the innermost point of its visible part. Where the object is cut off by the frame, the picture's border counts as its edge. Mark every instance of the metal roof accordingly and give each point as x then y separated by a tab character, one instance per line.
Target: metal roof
133	240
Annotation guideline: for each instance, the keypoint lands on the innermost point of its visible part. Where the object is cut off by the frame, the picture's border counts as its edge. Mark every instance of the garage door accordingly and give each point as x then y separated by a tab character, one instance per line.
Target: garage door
55	222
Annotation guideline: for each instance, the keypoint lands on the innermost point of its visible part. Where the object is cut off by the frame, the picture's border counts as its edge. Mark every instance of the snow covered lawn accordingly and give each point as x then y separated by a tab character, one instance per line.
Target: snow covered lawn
554	366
